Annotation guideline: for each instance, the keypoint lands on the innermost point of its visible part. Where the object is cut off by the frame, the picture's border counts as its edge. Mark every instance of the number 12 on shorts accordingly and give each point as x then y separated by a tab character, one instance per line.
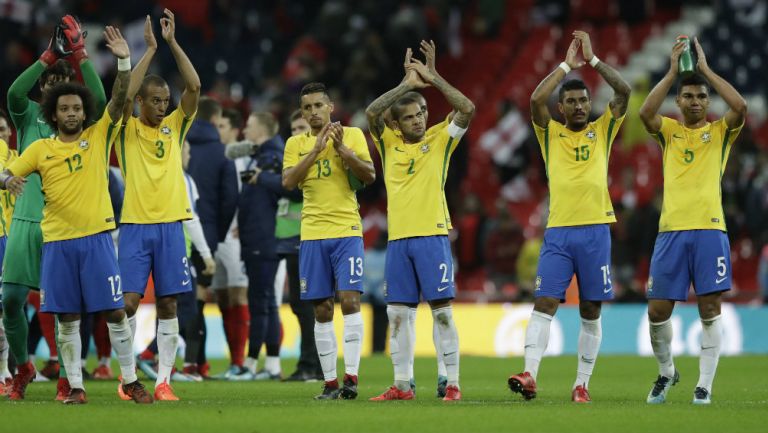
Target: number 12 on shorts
117	288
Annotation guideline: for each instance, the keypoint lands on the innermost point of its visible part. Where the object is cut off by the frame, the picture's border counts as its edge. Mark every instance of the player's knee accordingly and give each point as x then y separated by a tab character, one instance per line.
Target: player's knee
658	315
546	305
115	316
350	305
590	310
324	310
131	305
166	307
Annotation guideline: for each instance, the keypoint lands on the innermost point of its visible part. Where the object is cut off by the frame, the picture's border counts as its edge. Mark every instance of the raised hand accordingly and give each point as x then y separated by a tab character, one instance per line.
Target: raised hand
586	44
75	37
677	50
116	43
322	139
701	63
429	51
168	24
55	48
149	35
336	132
424	73
412	77
571	57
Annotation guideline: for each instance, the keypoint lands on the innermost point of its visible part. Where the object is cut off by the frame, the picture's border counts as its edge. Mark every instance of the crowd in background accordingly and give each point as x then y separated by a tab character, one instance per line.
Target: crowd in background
255	56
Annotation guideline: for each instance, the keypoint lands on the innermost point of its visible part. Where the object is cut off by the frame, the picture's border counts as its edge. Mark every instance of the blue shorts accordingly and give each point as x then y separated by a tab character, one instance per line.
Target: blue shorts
159	248
327	265
419	266
701	257
79	275
582	250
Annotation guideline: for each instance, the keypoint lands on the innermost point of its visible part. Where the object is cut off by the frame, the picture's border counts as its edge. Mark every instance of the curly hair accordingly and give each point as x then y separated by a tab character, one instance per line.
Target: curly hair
61	68
51	99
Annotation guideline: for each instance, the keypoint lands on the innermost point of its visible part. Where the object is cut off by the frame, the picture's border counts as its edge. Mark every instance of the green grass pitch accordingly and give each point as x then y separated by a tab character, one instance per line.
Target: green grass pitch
618	387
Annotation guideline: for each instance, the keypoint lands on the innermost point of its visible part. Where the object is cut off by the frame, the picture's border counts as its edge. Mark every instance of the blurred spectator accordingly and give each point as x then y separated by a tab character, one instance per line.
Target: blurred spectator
471	226
505	240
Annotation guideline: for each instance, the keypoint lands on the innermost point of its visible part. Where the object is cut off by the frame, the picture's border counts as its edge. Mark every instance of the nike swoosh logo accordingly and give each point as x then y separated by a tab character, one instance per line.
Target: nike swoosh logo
588	360
563	135
442	289
677	136
126	340
449	354
41	121
185	282
48	156
117	298
352	340
303	154
325	354
353	281
398	149
720	280
608	290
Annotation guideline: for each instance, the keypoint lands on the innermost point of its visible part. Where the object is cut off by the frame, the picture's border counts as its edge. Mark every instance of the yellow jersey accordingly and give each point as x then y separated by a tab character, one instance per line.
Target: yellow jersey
75	181
330	205
694	161
150	160
8	200
577	170
415	175
5	196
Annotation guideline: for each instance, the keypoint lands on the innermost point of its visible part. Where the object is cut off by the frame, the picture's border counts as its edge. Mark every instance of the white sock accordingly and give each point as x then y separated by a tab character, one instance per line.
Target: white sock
449	342
70	347
536	340
661	342
325	340
412	332
132	324
272	365
711	336
167	344
105	360
3	353
353	342
251	364
400	347
122	343
441	370
590	336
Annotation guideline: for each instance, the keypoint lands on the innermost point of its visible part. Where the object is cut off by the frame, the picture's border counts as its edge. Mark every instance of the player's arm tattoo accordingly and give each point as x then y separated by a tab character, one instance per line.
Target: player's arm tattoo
462	106
621	89
376	109
119	93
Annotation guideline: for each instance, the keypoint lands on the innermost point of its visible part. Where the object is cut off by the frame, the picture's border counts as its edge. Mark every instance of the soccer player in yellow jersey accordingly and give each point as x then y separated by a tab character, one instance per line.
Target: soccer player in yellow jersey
577	240
79	270
5	158
155	204
322	163
692	246
419	261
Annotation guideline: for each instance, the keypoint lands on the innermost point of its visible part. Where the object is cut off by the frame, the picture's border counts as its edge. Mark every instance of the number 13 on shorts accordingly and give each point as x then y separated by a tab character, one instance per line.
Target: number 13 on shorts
355	269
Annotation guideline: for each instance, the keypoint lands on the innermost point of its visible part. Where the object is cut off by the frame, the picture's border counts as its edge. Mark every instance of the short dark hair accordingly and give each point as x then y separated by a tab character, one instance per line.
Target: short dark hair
692	80
415	95
207	107
573	84
314	88
51	99
296	115
151	80
60	68
268	120
234	116
400	104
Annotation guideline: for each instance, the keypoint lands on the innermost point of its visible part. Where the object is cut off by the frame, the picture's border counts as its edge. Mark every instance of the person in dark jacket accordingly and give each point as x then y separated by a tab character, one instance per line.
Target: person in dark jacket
262	188
216	179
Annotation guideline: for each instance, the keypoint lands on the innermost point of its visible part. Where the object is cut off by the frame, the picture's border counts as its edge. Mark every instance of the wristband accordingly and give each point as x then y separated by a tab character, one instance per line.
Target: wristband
564	66
594	61
124	64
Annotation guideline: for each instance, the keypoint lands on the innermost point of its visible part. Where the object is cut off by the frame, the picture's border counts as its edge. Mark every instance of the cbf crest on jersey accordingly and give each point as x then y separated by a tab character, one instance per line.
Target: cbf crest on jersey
538	283
424	148
83	144
165	130
591	134
303	285
705	137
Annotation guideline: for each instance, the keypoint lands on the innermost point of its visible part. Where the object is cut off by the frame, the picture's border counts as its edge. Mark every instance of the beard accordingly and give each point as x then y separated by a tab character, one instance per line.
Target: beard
64	129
